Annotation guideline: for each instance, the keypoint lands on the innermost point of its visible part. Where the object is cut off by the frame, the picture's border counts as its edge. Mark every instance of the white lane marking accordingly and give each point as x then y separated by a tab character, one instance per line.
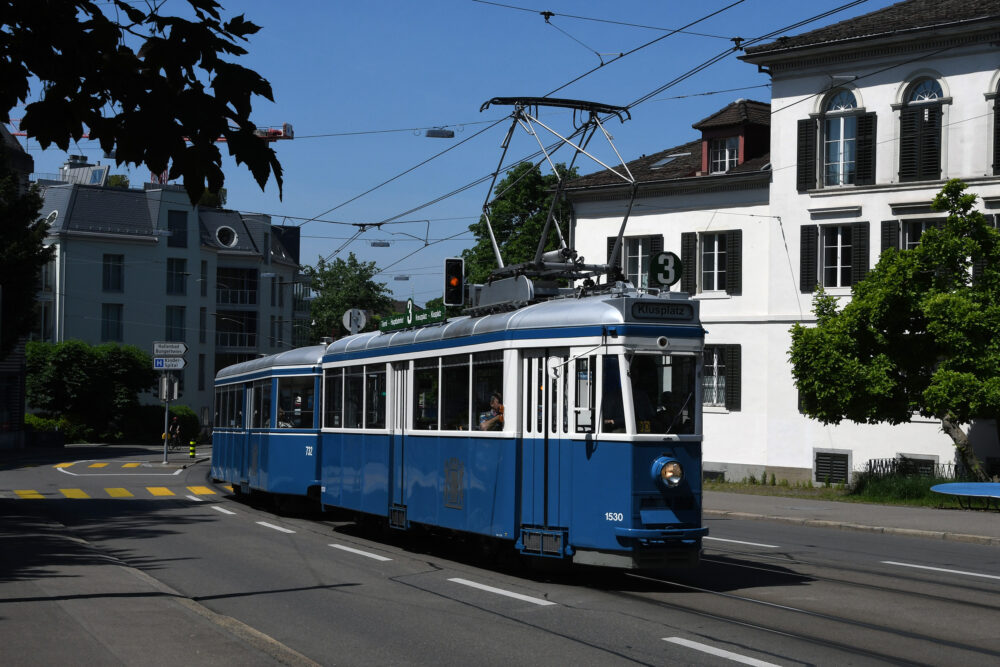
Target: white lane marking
751	544
729	655
222	509
500	591
359	552
195	498
271	525
941	569
67	471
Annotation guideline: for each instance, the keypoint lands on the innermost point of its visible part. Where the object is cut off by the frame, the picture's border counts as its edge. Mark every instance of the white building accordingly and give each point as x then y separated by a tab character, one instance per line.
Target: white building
868	119
136	266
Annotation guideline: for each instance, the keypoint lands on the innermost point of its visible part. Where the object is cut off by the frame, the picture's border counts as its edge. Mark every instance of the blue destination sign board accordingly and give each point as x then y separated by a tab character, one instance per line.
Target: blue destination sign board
661	310
411	318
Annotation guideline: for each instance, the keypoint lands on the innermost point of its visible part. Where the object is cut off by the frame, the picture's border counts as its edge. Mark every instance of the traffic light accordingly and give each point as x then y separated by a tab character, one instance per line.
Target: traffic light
454	281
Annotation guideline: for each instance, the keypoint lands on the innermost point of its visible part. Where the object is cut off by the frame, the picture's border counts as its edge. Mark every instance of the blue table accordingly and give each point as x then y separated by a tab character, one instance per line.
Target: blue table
969	492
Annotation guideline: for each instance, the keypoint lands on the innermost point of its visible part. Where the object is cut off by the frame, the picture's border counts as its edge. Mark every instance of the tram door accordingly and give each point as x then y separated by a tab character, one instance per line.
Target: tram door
545	429
400	392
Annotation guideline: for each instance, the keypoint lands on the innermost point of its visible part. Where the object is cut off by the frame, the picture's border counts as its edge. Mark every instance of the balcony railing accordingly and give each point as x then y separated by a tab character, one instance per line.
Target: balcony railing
239	297
235	339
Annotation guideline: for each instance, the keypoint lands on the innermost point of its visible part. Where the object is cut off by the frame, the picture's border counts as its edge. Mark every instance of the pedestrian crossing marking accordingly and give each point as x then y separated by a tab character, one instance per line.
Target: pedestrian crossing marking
132	465
73	493
97	465
119	493
65	465
201	490
28	494
159	490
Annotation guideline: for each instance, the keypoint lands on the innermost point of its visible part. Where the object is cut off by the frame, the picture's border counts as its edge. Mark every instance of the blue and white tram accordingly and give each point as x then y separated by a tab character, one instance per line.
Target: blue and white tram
266	428
597	460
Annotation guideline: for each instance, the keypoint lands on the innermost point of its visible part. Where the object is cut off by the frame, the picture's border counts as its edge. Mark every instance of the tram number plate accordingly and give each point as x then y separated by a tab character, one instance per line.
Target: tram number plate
309	450
614	516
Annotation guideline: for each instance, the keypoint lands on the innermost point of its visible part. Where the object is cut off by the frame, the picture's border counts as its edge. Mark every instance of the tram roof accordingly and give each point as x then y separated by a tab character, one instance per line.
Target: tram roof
302	356
567	313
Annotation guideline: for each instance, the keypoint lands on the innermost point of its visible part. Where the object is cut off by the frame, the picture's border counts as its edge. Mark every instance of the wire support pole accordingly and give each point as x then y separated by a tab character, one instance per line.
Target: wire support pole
568	140
557	195
613	262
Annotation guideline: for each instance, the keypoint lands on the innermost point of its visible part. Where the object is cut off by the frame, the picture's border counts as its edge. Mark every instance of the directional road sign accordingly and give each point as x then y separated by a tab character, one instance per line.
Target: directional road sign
168	363
168	349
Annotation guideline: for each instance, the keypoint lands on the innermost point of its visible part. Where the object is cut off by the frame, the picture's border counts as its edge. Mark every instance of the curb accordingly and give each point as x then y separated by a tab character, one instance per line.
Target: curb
840	525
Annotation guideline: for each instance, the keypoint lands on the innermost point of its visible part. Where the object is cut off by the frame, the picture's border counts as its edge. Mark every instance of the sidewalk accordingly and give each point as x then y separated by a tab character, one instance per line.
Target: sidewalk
975	526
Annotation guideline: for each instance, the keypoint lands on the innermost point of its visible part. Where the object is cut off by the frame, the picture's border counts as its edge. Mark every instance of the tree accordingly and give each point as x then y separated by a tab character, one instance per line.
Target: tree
163	104
22	256
341	285
918	336
518	217
96	386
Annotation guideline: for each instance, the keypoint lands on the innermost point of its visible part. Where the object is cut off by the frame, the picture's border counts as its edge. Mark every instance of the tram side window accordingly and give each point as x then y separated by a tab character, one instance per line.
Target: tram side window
375	396
612	408
261	402
663	393
584	374
334	398
234	402
487	379
295	402
354	379
217	408
425	394
455	392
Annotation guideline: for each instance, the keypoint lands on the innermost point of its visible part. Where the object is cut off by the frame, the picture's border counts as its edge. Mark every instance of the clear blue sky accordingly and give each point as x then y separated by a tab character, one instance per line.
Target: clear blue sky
365	68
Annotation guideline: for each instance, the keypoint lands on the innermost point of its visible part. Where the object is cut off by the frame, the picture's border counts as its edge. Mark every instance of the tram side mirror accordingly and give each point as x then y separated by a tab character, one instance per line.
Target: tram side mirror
454	281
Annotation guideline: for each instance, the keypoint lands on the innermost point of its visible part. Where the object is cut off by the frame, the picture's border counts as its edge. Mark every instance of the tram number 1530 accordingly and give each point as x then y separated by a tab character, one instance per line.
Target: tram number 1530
614	516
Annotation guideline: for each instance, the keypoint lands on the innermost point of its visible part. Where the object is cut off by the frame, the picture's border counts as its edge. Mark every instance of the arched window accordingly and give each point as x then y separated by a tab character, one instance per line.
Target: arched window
996	131
920	131
838	143
840	133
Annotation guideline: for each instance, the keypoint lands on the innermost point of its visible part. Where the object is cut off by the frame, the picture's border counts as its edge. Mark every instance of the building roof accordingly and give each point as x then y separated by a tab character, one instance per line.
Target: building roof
82	208
738	113
902	17
677	162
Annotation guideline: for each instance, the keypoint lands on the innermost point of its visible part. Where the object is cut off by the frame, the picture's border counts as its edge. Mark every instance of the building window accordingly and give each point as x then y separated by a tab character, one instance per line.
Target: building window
202	325
175	323
840	131
846	137
831	467
634	256
712	262
114	273
204	278
723	154
720	383
920	123
111	322
201	372
177	226
913	230
176	276
833	256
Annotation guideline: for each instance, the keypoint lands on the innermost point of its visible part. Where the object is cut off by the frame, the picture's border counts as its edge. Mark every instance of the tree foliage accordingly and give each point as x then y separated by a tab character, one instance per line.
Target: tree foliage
919	335
518	216
22	256
163	104
341	285
96	386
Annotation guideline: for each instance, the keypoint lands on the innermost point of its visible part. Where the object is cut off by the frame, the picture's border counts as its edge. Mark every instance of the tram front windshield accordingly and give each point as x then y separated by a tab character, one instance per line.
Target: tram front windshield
663	393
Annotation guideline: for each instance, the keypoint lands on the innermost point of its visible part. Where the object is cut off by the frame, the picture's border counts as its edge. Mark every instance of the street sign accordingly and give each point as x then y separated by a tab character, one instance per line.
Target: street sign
665	269
168	349
168	363
355	320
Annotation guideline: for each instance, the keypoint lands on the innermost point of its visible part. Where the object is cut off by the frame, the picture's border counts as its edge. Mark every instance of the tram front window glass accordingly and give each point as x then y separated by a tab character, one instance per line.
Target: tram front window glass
487	379
425	394
295	402
612	408
663	397
455	392
353	394
375	396
584	378
334	398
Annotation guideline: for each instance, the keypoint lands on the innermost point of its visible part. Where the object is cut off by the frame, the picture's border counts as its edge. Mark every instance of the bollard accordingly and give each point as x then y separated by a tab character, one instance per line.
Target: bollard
192	449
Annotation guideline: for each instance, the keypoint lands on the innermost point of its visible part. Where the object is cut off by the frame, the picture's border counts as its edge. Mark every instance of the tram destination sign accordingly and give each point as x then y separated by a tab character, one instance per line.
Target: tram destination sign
661	310
412	318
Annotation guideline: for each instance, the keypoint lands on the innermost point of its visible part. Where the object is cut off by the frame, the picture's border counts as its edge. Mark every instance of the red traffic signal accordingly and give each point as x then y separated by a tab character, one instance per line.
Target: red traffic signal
454	281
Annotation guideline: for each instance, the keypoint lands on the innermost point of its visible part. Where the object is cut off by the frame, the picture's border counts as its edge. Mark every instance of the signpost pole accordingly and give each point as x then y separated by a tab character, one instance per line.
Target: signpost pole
165	385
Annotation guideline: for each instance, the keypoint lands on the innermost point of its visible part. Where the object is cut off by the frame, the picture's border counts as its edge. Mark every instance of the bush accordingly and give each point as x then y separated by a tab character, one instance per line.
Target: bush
71	432
188	420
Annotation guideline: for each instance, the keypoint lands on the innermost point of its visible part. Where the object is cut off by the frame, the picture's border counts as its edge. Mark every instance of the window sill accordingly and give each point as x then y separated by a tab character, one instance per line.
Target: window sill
837	291
714	294
715	410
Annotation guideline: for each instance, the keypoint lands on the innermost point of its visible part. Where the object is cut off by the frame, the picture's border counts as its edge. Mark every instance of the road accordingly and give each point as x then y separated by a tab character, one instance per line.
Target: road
200	577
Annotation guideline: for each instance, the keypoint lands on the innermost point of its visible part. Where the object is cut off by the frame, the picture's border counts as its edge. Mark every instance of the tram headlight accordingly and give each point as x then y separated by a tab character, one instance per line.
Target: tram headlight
667	471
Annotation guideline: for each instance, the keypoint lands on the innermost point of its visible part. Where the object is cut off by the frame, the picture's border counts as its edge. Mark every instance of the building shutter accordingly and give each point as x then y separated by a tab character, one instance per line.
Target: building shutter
996	135
890	235
865	165
655	244
859	252
689	262
734	261
809	246
831	468
806	170
611	247
930	144
733	376
979	265
909	129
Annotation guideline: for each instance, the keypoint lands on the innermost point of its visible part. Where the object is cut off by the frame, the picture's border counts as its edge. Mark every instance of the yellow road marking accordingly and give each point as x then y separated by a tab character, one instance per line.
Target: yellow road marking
28	494
97	465
132	465
159	490
73	493
201	491
119	493
64	465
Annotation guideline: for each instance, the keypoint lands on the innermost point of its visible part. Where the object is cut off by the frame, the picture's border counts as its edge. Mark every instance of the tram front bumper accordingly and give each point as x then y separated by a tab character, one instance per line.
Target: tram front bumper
662	534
